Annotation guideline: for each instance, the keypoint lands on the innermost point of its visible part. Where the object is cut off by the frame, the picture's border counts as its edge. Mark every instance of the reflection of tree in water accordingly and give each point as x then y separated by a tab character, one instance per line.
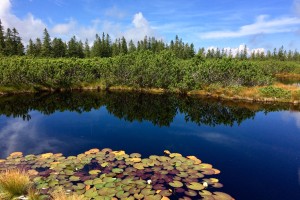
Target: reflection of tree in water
158	109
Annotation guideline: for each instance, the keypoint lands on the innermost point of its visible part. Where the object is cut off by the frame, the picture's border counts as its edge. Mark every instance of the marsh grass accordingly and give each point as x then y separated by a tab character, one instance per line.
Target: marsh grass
60	194
13	183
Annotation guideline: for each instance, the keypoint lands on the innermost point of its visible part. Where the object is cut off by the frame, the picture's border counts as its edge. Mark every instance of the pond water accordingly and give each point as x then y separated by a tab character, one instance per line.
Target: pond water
256	146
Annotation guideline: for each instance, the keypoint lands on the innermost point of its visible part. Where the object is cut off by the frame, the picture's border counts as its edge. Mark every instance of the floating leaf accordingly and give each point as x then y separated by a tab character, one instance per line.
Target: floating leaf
191	193
195	186
135	155
222	196
117	170
135	159
46	155
138	196
91	193
138	166
195	159
165	193
172	155
176	184
74	178
94	172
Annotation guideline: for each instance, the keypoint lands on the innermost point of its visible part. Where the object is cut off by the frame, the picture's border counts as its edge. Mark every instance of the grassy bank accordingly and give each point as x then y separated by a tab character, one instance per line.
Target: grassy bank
152	72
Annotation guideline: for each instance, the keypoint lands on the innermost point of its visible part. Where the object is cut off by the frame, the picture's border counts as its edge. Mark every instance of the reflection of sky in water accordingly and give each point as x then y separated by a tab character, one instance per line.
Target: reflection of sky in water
263	152
292	116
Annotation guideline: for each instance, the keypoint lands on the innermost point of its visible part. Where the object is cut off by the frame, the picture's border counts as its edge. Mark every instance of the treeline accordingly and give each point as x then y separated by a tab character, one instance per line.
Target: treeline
103	46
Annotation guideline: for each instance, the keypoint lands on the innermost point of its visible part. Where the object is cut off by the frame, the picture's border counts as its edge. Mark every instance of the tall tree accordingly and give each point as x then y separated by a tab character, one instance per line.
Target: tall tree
124	48
87	51
38	47
2	39
46	47
132	47
17	41
9	44
30	48
58	48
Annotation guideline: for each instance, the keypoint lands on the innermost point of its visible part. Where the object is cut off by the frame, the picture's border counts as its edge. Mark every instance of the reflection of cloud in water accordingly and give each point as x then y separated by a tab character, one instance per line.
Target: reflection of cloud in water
25	136
299	176
217	138
288	116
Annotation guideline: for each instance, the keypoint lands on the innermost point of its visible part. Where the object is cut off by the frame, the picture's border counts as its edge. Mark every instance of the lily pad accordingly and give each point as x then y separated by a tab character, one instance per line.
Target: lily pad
195	186
176	184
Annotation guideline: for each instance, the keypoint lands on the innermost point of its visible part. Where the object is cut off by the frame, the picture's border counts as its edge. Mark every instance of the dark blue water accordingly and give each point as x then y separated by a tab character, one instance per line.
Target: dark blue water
256	146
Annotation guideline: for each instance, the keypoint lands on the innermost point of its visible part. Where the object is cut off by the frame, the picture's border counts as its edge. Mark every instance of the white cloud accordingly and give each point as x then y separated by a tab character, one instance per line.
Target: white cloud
28	27
141	28
19	135
32	27
65	28
296	6
262	25
239	49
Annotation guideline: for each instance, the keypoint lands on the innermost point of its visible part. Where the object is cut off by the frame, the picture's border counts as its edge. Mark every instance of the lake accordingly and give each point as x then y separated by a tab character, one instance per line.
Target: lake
255	146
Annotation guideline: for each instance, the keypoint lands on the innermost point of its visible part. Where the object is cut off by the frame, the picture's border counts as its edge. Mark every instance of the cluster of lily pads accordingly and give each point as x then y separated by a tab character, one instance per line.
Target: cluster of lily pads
107	174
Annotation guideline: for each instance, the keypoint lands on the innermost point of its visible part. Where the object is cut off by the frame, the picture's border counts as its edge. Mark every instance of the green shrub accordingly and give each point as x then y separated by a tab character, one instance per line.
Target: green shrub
271	91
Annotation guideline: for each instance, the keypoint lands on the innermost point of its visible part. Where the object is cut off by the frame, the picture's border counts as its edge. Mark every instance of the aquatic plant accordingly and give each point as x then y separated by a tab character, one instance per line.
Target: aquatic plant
108	174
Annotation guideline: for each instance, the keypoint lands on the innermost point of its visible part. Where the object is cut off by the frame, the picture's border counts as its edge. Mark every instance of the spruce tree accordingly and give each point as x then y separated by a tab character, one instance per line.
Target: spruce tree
2	39
46	46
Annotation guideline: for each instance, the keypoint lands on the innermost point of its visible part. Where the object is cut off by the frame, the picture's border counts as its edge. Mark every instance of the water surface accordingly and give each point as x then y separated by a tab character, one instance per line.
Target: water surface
256	146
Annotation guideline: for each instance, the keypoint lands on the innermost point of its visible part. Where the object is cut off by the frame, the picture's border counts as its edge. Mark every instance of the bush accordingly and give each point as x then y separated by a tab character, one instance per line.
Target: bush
271	91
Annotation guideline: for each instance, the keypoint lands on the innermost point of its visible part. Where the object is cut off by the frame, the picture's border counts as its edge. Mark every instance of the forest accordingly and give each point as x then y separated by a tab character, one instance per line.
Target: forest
47	63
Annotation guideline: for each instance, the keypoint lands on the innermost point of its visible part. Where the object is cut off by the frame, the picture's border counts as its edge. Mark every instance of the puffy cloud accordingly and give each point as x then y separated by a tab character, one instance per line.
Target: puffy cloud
261	26
28	27
141	28
65	28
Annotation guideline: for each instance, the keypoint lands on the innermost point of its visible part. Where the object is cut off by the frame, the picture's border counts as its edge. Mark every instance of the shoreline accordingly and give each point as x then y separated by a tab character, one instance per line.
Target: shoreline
243	94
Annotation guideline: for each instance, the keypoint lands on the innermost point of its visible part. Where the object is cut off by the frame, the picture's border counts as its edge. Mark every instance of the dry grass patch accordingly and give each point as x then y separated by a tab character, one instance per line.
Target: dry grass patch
60	194
14	183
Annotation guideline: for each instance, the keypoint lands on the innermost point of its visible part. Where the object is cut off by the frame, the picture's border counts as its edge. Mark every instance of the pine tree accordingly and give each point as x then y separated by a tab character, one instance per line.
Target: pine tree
87	51
9	44
30	48
124	49
38	47
132	47
58	48
46	47
2	39
17	41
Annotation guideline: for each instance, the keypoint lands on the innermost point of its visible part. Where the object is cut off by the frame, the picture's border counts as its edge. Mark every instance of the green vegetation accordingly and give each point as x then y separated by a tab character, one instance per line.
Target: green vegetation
271	91
149	64
108	174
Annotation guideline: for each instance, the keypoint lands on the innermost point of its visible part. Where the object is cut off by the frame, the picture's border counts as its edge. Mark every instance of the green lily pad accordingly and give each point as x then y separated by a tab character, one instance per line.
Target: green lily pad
88	182
74	178
117	170
91	193
176	184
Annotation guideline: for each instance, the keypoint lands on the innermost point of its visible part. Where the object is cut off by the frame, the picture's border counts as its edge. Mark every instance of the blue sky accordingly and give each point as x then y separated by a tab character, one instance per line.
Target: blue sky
227	23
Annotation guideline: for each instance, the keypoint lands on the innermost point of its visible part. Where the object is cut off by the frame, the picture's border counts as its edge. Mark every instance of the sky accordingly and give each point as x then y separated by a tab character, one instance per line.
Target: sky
207	23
